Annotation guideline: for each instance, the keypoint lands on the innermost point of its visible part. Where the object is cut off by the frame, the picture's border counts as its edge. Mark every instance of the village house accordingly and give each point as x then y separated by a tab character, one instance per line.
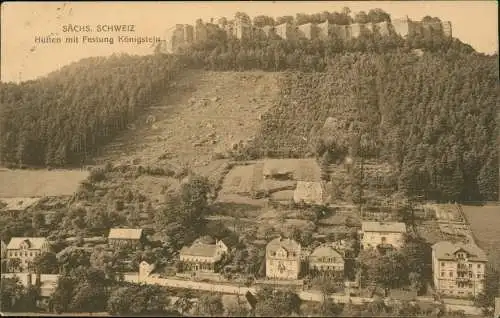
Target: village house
283	259
25	249
13	206
133	238
203	254
325	259
145	270
310	193
458	269
382	234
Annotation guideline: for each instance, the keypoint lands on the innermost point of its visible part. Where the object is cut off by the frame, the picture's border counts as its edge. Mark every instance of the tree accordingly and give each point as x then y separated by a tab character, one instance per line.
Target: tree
284	19
378	15
138	300
237	310
277	302
14	264
11	292
72	257
416	281
387	270
210	306
46	263
263	20
329	308
486	298
37	221
361	17
184	303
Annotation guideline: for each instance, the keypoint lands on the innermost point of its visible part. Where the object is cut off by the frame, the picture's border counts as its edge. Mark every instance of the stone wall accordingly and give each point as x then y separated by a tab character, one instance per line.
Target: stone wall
187	34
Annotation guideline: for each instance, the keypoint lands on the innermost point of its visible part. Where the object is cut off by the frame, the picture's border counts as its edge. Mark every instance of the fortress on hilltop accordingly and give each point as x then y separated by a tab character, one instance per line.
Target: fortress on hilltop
183	35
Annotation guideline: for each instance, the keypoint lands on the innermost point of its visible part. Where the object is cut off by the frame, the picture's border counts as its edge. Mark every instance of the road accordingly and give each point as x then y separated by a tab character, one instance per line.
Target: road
304	295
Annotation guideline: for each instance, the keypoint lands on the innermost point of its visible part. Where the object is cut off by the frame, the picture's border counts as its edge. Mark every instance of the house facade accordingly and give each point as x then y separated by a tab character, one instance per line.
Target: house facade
132	238
145	269
25	249
202	255
382	234
283	259
458	269
325	259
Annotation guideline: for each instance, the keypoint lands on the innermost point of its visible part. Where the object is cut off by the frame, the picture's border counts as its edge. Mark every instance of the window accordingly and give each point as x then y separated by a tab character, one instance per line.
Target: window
470	266
451	274
478	266
442	274
442	264
31	253
470	274
478	275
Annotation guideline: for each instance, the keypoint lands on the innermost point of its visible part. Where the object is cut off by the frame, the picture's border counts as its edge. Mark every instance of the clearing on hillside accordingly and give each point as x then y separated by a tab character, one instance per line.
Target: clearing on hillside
207	113
485	222
39	183
269	175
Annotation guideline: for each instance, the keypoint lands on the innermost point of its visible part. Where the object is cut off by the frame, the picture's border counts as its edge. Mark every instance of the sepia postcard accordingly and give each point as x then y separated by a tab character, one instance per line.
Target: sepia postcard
250	159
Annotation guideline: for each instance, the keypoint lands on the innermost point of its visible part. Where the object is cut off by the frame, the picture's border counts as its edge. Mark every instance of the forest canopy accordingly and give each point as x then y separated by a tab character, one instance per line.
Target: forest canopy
65	117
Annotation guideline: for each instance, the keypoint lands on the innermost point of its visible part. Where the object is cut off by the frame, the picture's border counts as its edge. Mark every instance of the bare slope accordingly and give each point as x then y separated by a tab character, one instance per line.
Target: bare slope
207	113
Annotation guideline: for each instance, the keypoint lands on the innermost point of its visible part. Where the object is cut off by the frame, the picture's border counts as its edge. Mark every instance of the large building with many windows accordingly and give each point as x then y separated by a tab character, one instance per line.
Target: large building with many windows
203	254
458	269
382	234
283	259
25	249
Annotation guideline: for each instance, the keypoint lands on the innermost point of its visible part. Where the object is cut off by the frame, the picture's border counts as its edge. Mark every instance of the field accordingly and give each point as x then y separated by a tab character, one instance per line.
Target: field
239	181
243	180
485	224
302	169
39	183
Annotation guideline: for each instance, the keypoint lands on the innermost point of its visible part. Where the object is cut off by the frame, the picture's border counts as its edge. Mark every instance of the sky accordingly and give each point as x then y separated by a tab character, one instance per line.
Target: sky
473	22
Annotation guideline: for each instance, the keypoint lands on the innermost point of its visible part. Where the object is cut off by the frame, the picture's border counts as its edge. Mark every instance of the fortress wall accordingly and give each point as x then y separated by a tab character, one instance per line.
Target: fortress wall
200	33
184	34
401	27
356	30
286	31
189	33
323	30
306	31
447	28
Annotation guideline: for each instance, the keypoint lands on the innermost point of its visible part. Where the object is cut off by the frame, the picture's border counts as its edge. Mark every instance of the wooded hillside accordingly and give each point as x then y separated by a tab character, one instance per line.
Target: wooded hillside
63	118
433	117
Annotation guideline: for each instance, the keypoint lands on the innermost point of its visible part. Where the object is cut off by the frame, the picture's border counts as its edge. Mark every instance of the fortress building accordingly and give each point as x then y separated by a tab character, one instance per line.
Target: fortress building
242	28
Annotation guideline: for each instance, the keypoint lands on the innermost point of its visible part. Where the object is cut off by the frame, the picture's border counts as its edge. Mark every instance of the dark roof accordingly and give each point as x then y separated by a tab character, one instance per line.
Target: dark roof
288	244
199	249
445	250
